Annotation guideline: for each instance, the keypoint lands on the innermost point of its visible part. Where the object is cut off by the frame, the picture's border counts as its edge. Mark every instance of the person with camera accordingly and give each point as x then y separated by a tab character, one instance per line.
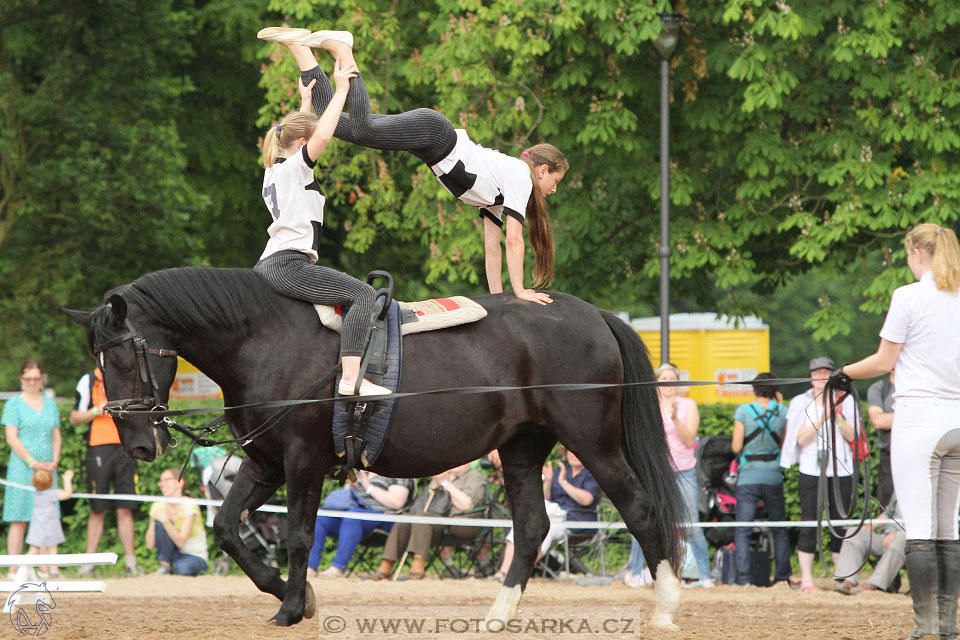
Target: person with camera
757	435
450	493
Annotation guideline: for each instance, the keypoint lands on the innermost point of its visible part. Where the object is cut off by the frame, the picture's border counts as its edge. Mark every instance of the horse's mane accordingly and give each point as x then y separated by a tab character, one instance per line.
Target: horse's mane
189	298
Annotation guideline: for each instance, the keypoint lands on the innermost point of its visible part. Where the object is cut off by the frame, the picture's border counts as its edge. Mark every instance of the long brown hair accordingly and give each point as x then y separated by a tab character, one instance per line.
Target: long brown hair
294	126
940	243
541	227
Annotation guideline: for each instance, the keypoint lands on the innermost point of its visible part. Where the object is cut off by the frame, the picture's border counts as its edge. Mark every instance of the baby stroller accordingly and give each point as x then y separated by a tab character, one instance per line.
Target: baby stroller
263	532
717	475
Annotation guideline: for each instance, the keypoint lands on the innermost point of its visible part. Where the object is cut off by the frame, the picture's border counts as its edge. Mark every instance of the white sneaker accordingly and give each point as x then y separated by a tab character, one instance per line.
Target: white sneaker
367	388
317	38
641	580
282	34
709	583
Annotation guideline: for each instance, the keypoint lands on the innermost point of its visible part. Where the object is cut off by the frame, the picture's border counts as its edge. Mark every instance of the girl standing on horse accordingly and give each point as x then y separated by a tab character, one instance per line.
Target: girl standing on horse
509	191
295	201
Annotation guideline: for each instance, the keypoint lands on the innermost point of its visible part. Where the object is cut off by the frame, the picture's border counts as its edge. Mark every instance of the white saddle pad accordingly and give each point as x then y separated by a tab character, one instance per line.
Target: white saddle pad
435	313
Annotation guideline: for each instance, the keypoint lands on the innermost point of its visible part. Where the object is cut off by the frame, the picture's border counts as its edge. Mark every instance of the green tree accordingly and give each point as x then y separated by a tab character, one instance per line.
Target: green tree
805	134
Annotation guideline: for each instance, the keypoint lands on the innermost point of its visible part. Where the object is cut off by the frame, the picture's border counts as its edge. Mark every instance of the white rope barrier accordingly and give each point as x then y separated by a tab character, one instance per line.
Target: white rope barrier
460	522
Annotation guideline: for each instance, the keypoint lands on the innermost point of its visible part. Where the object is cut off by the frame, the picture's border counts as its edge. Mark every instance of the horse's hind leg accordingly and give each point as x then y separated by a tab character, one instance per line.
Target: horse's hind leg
246	494
522	457
618	482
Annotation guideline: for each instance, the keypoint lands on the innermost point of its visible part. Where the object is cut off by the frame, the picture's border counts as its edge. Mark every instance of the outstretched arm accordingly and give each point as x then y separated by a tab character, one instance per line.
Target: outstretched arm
515	250
493	256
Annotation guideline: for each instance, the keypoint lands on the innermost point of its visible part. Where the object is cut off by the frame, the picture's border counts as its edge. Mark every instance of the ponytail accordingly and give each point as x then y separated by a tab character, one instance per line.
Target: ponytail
294	126
941	244
540	226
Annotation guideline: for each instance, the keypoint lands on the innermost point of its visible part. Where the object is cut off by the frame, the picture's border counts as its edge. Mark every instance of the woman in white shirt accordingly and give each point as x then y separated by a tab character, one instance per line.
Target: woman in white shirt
921	338
509	191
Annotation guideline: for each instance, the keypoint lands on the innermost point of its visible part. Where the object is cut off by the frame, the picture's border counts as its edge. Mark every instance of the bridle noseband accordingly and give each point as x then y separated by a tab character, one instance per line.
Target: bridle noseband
140	402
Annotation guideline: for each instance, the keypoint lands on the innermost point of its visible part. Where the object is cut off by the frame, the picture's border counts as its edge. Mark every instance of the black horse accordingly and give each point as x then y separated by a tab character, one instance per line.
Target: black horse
260	346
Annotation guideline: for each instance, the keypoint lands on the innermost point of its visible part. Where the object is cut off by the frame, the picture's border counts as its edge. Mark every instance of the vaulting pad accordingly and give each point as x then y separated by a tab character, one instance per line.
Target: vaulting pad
426	315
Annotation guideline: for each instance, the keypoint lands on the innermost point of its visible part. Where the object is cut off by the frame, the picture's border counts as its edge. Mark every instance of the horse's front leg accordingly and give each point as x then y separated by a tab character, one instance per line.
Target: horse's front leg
304	488
522	457
246	494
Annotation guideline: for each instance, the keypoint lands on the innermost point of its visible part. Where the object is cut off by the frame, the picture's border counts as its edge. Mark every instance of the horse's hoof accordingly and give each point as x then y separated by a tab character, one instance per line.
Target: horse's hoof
310	602
272	622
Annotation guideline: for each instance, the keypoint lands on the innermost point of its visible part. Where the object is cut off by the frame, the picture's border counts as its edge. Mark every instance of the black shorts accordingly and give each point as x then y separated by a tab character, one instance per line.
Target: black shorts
107	465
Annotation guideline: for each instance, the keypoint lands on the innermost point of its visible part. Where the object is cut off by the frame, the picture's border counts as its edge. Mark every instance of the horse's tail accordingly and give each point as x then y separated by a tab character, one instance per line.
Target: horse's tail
645	442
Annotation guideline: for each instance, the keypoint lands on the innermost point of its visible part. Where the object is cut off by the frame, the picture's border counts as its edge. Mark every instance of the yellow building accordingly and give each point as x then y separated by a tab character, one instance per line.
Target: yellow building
707	347
191	384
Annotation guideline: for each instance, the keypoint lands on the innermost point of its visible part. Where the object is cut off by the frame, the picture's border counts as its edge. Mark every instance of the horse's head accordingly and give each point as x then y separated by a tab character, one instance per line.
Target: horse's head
137	375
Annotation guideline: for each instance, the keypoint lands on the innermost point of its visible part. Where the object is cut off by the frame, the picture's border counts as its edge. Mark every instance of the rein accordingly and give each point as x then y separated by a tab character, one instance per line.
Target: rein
860	479
162	416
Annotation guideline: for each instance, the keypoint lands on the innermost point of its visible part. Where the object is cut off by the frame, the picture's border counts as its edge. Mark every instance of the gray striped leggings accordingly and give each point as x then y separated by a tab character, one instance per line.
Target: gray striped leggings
425	133
291	273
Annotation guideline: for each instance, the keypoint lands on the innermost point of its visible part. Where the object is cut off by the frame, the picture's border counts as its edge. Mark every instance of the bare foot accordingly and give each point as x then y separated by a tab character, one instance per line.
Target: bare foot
331	572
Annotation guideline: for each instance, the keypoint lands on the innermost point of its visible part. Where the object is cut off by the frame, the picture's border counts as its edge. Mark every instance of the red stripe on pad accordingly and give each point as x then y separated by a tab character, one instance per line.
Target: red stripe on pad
447	304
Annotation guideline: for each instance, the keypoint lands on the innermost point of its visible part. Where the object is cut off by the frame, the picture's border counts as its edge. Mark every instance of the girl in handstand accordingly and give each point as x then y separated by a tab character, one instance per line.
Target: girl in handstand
509	191
295	200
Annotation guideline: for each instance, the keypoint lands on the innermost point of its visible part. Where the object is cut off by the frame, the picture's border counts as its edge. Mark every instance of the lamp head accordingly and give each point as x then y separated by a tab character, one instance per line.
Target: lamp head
666	43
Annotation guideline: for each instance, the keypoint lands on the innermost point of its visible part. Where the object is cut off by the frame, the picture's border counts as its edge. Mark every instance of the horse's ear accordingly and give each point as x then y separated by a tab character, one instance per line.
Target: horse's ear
80	317
118	308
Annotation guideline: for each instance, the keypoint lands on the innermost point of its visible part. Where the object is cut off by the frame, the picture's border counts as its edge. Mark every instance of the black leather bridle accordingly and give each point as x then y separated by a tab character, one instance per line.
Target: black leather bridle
140	402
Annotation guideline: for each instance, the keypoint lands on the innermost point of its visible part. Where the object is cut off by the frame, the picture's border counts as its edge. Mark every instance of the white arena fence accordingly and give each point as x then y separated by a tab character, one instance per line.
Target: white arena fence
460	522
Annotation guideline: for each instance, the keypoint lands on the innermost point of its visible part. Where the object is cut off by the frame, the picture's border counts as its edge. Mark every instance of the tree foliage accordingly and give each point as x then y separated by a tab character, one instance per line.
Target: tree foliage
806	138
805	135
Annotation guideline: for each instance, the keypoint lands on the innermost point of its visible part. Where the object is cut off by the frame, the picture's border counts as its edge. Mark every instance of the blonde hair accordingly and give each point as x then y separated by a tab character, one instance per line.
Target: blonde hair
667	366
42	479
940	243
294	126
541	228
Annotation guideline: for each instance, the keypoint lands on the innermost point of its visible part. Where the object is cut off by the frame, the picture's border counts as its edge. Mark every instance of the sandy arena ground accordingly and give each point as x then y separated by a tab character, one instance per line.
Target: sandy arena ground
230	608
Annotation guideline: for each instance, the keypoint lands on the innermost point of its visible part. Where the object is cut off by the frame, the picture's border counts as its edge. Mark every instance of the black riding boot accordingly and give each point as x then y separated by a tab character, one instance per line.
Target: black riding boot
948	559
924	584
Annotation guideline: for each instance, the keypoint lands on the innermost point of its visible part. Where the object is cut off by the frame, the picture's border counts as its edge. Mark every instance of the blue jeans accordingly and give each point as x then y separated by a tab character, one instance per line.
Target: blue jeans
182	564
748	497
348	531
687	481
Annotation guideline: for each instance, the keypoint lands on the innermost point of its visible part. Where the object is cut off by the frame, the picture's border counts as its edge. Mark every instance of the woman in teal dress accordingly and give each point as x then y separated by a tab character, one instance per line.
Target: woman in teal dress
32	424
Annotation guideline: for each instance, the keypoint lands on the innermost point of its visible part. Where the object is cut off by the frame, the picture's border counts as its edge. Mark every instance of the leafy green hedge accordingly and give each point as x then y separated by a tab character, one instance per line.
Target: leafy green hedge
76	511
715	419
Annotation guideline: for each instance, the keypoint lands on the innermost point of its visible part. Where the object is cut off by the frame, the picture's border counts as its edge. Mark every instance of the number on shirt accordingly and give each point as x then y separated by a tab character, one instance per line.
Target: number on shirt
271	192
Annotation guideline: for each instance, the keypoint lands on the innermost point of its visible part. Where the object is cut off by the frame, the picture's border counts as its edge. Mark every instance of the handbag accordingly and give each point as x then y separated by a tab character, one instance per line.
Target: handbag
440	505
342	500
859	449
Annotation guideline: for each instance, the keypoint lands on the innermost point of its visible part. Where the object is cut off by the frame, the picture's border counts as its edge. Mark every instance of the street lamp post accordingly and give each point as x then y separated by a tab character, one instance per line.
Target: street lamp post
665	44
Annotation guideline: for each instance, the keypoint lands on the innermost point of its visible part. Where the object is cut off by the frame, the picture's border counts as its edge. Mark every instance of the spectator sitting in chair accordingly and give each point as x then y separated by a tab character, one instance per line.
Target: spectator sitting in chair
887	540
570	491
371	494
451	493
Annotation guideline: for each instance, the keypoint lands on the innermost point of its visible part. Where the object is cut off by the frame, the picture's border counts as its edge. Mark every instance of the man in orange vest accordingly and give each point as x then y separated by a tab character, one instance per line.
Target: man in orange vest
106	464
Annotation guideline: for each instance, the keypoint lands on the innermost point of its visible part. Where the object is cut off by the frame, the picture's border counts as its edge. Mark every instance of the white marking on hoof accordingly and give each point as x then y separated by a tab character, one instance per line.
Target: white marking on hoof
310	602
667	589
504	608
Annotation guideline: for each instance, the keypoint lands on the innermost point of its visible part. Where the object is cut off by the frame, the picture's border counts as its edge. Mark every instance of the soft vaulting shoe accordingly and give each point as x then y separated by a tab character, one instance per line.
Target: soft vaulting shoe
317	38
367	388
282	34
